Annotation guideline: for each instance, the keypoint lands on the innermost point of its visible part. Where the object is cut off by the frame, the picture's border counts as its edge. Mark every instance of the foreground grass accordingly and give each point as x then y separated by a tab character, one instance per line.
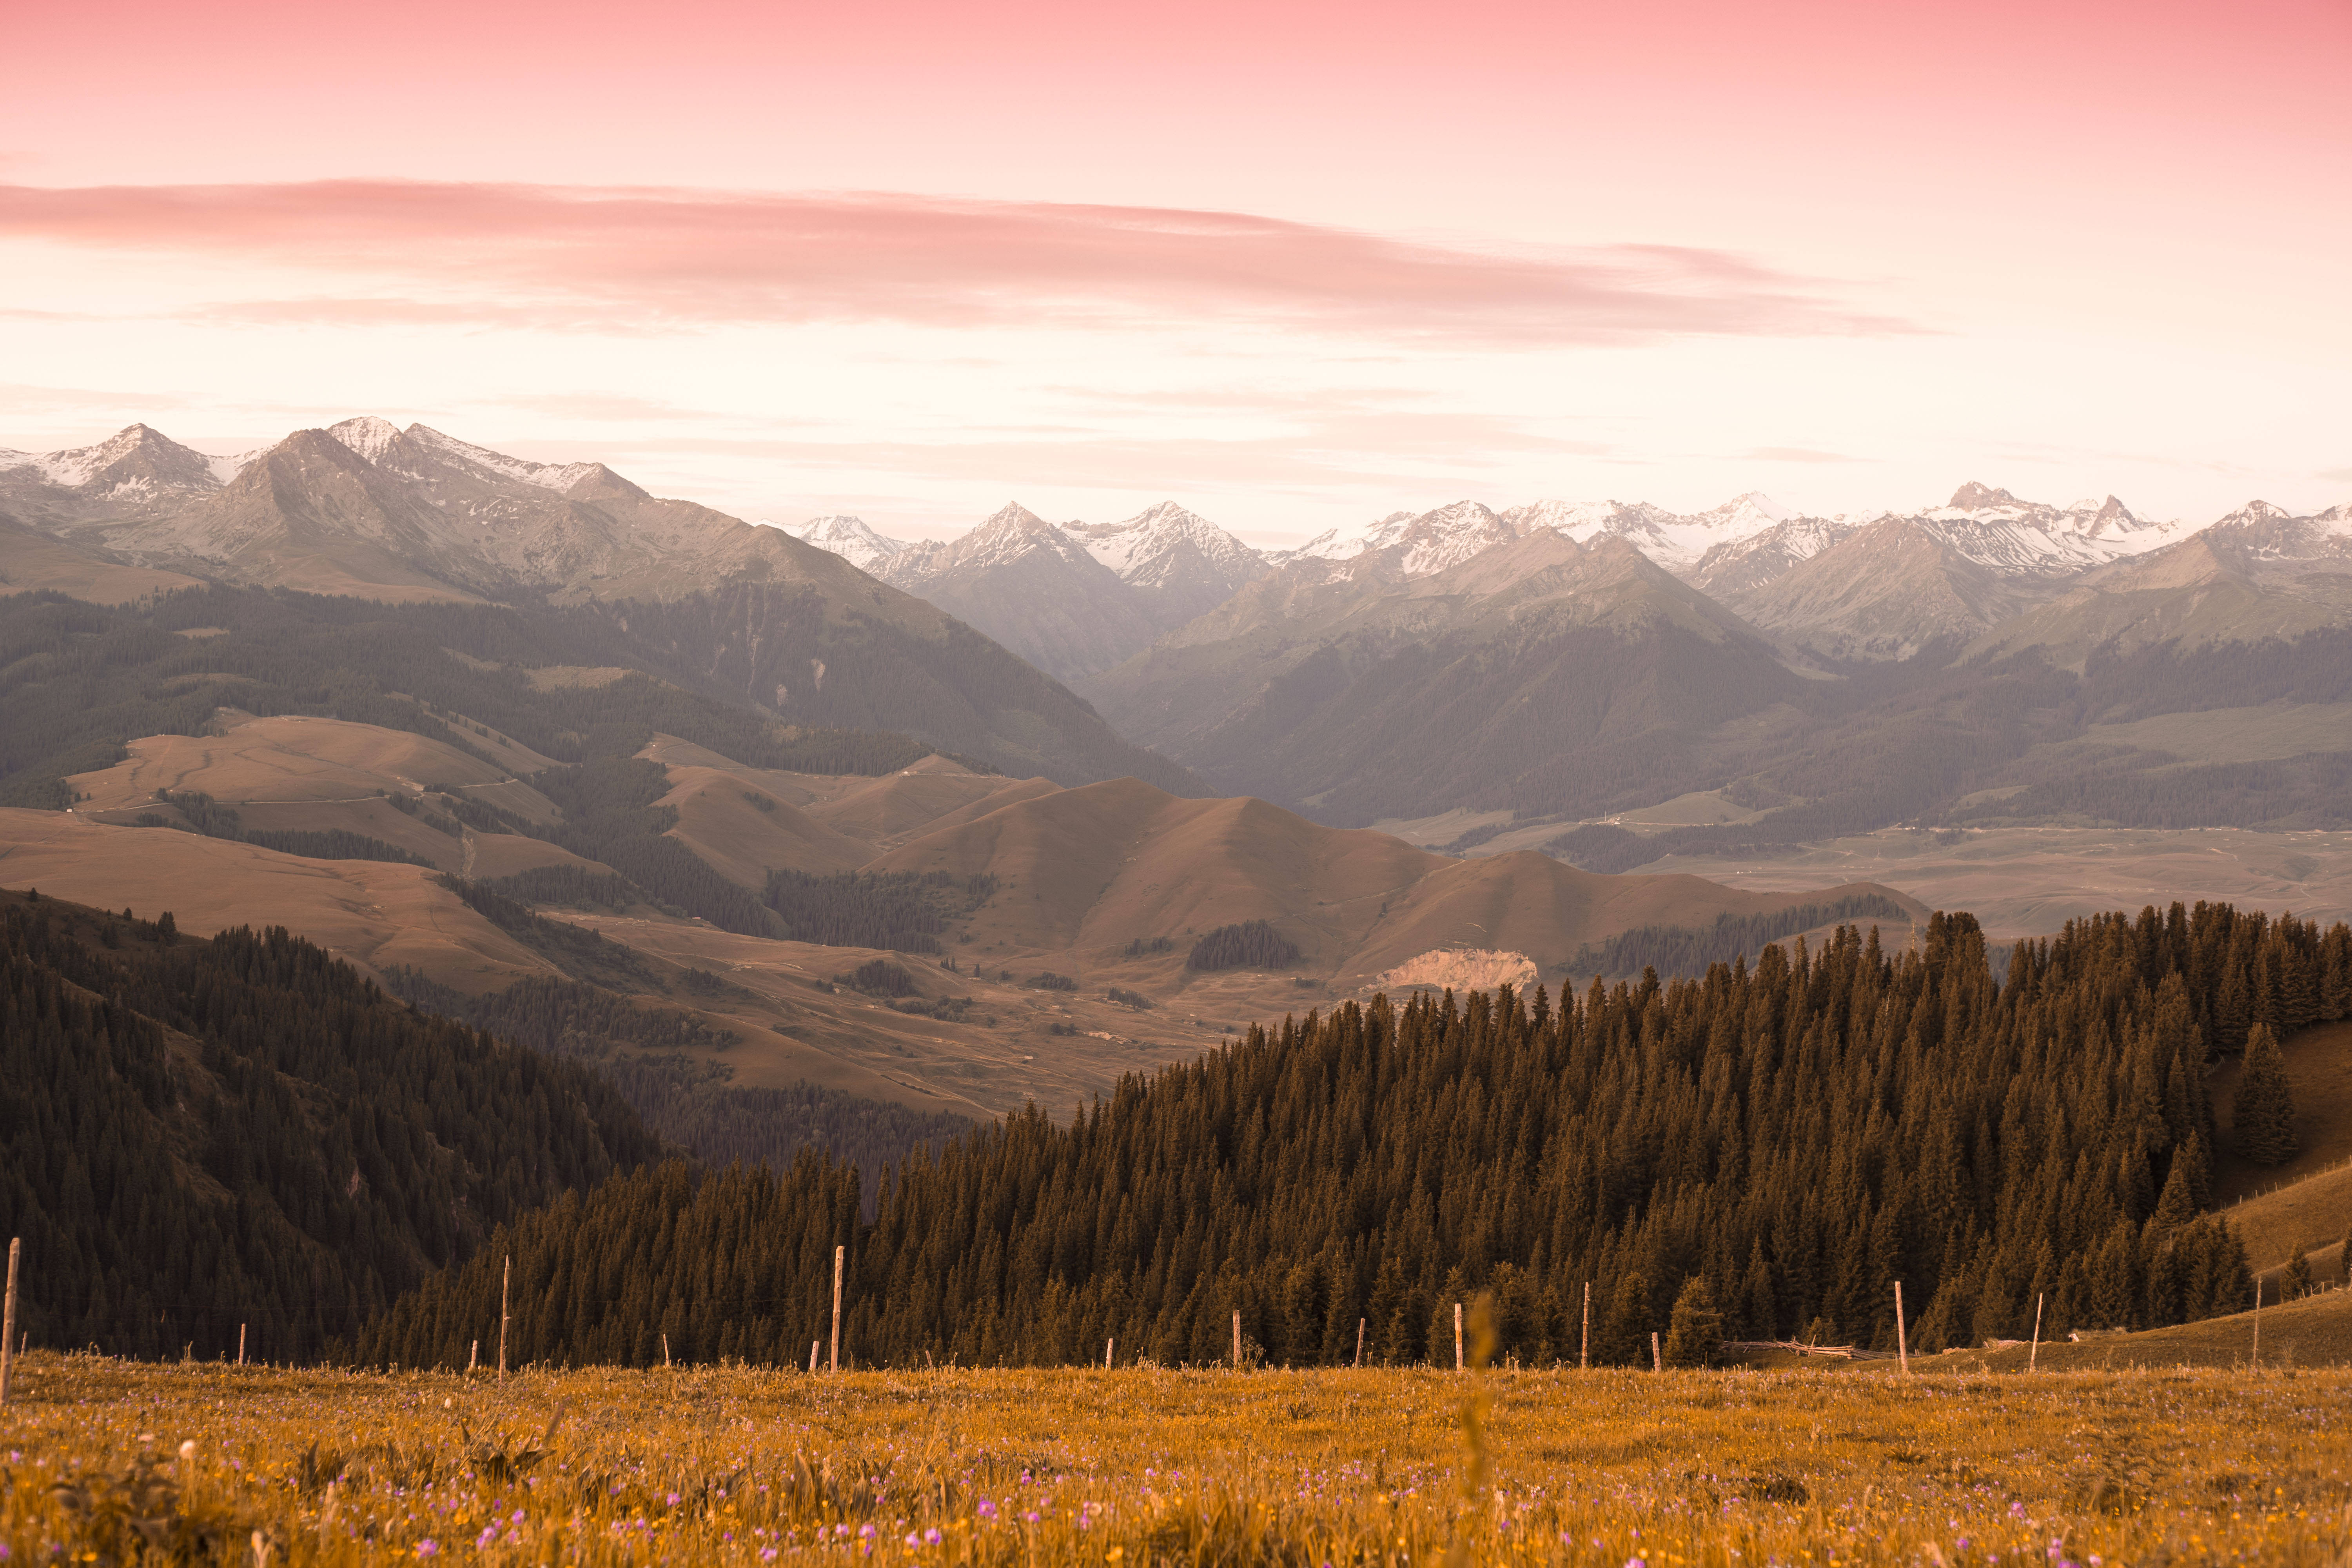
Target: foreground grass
1731	1469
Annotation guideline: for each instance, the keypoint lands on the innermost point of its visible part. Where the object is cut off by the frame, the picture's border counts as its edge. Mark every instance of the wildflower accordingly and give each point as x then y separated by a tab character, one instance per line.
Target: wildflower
987	1509
931	1536
913	1539
767	1554
428	1547
489	1533
673	1500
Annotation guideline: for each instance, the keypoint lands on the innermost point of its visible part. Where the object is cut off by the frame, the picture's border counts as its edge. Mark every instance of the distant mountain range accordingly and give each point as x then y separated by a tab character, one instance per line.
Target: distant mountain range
369	509
1073	599
1557	660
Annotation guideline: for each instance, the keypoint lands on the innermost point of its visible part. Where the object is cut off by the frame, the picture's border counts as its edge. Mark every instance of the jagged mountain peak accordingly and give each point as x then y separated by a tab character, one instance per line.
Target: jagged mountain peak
1975	497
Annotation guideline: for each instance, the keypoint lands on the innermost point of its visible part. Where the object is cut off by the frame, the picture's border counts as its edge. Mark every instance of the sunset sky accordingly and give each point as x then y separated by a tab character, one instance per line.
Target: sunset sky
1296	266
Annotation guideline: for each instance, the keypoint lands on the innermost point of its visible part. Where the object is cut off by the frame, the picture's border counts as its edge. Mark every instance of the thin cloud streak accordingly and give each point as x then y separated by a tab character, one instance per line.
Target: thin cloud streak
623	258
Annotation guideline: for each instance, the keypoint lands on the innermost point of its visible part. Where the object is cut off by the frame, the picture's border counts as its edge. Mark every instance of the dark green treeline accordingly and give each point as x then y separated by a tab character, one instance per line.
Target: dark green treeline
196	1135
1801	1136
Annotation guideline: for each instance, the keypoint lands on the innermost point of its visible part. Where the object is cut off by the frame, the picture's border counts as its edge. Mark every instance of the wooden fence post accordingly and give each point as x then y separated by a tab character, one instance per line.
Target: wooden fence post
473	1357
1360	1342
1237	1339
506	1285
2034	1356
1902	1340
1657	1361
2256	1364
1457	1336
833	1365
665	1353
1584	1345
8	1346
1107	1345
812	1348
240	1344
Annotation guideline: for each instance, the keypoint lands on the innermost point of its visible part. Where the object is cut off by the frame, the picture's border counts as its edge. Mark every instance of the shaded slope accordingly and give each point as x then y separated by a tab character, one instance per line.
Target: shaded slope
1537	673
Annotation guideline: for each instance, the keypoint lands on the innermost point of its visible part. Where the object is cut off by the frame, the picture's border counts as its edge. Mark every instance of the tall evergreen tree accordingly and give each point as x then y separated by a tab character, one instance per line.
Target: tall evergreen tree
2262	1113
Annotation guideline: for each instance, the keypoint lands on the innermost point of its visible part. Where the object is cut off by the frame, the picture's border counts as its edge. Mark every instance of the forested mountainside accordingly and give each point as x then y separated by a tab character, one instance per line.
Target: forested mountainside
690	1103
1790	1140
201	1135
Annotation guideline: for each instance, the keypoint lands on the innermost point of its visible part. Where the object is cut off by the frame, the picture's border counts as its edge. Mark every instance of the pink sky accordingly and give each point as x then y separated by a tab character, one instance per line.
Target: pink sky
1295	265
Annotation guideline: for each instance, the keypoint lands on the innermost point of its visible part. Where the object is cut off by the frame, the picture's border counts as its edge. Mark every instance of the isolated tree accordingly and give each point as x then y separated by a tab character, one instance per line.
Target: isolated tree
2296	1282
1694	1332
2263	1114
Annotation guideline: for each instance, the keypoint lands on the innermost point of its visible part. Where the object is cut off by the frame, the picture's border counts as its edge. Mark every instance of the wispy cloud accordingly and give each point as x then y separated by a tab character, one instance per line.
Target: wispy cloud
2336	476
627	258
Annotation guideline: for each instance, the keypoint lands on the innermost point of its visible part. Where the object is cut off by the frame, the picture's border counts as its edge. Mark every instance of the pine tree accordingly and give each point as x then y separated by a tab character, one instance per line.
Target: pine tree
2177	1207
2296	1282
2263	1114
1694	1332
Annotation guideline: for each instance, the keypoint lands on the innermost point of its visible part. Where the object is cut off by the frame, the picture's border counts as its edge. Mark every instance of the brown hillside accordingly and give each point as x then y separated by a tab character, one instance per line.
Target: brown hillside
1085	871
31	559
1097	867
288	760
744	832
887	811
371	912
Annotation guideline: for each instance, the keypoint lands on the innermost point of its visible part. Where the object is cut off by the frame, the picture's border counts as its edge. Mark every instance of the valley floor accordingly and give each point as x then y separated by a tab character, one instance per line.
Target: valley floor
1141	1465
2030	881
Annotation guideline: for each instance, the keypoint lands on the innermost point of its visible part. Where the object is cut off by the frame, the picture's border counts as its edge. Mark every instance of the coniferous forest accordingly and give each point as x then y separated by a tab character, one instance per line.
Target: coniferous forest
196	1135
1777	1146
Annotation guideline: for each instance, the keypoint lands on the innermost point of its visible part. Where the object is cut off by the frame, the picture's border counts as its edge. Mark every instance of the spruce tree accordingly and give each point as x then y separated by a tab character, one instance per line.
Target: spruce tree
1694	1332
2263	1114
2177	1207
2296	1283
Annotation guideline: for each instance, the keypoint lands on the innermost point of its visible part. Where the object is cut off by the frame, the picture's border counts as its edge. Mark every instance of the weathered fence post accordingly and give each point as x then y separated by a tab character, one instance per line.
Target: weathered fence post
1902	1340
1584	1345
1107	1345
1657	1359
1237	1339
833	1365
505	1286
8	1346
1360	1342
2034	1356
1457	1336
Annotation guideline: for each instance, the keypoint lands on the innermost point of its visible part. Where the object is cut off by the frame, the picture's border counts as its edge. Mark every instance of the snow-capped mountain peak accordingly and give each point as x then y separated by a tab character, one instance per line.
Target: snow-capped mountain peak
367	435
850	538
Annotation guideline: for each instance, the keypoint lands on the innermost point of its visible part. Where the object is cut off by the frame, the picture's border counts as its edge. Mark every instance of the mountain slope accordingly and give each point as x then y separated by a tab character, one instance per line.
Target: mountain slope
1031	587
206	1140
2257	574
1884	592
1076	599
1536	673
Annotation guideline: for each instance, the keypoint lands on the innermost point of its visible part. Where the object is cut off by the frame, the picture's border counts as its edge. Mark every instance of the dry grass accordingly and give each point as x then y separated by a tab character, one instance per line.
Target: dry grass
1136	1467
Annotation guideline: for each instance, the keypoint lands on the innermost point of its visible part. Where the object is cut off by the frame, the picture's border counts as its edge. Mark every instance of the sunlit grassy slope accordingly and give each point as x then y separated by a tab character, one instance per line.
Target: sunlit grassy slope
1140	1466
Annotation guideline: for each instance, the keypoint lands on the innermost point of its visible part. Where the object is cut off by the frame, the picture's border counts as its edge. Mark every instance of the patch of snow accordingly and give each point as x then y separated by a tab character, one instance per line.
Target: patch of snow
848	537
367	435
558	477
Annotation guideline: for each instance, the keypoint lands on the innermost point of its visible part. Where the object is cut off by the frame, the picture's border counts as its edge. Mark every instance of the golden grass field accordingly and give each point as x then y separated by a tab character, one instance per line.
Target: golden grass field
1730	1469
